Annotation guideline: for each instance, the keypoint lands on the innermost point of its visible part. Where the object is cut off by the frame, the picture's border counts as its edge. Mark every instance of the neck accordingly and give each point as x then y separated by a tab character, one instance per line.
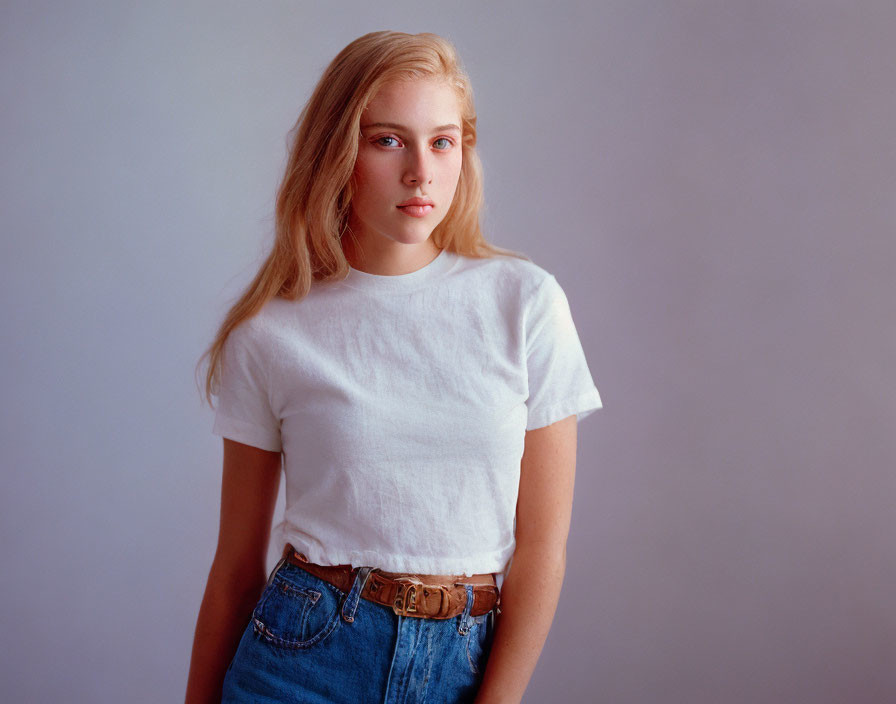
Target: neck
389	258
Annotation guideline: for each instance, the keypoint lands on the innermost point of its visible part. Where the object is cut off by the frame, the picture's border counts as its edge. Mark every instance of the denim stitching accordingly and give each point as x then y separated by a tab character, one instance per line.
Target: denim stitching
465	622
262	631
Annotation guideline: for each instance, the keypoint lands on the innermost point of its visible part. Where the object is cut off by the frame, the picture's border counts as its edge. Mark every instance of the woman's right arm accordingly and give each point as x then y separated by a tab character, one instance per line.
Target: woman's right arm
239	569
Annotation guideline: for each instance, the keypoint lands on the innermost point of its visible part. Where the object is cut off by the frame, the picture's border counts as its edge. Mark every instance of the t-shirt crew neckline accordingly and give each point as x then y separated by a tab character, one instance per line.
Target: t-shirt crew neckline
411	281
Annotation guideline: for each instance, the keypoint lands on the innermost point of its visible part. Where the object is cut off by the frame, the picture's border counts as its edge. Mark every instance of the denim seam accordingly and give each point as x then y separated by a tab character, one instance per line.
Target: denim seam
262	631
288	587
473	666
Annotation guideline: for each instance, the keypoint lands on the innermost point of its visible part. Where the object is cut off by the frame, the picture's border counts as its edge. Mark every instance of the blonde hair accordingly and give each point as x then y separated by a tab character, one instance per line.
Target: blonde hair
314	198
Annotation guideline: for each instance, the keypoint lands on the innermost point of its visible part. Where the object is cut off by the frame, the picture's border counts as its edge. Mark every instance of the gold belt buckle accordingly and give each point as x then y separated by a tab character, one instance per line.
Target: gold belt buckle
405	603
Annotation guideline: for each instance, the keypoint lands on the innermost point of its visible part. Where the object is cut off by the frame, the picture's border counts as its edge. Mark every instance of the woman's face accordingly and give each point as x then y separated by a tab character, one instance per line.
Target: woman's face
410	146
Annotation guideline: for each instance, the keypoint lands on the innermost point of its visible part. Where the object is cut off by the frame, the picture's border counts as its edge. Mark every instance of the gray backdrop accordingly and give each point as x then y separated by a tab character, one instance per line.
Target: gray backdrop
711	182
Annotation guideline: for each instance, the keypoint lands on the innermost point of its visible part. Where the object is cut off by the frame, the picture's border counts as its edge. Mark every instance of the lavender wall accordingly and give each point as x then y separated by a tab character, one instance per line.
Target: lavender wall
711	182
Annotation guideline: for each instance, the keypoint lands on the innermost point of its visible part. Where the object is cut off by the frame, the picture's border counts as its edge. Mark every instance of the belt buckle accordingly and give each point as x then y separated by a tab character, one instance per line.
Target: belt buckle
405	602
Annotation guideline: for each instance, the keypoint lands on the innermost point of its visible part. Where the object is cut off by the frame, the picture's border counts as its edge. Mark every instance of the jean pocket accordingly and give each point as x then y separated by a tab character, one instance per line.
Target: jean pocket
296	613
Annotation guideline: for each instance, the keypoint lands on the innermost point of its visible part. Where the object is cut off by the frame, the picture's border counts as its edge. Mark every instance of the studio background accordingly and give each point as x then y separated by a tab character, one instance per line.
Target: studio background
712	183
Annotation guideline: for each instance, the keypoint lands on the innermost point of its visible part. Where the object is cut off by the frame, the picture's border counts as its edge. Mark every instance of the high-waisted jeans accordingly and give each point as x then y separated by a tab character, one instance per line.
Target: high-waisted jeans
309	642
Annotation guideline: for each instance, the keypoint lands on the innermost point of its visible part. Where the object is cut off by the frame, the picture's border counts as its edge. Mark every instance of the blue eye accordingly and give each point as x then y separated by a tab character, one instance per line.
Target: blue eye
380	140
446	140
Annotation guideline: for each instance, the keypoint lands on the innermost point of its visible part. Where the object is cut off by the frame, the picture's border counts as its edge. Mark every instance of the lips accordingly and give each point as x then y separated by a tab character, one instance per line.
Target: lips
416	200
417	211
417	206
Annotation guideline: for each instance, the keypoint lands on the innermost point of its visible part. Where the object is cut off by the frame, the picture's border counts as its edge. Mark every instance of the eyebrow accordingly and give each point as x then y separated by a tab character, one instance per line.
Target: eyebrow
396	126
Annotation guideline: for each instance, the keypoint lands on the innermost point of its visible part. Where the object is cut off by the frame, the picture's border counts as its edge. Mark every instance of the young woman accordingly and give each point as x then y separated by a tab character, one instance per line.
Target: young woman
420	389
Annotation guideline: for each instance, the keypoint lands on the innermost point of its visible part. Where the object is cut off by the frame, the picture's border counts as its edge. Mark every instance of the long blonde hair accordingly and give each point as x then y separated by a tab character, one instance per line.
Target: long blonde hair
314	198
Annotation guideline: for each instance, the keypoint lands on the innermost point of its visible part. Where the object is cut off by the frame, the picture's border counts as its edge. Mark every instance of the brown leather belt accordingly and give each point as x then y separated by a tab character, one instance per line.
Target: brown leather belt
406	595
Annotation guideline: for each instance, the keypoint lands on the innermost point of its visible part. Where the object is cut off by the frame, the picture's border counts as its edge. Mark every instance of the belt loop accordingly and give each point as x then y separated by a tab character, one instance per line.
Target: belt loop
466	621
350	605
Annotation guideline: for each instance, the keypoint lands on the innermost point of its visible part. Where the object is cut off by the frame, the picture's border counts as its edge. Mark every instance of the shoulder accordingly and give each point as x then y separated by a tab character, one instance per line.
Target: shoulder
507	275
260	332
526	291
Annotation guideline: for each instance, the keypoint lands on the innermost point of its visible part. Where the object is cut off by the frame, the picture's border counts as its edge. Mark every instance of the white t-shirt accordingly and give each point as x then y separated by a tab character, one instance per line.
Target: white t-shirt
400	404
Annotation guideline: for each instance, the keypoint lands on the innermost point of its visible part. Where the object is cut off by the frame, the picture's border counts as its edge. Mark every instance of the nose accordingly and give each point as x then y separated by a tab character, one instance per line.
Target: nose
418	169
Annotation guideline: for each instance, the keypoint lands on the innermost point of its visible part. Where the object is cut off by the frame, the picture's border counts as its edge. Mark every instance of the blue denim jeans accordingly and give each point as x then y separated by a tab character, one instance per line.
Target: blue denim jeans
309	642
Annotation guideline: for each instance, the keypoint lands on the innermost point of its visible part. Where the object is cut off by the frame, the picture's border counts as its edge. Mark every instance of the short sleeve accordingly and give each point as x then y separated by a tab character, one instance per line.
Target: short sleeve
560	383
244	410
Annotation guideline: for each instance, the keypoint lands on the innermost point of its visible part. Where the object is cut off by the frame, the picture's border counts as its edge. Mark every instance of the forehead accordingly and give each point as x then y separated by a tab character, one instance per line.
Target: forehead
422	102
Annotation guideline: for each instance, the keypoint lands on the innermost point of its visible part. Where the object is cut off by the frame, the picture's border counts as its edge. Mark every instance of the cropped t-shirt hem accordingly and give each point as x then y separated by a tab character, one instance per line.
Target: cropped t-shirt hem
483	563
581	406
246	433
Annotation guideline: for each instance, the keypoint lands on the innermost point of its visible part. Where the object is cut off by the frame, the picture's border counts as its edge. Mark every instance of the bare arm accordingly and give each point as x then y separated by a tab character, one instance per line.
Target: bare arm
238	572
531	588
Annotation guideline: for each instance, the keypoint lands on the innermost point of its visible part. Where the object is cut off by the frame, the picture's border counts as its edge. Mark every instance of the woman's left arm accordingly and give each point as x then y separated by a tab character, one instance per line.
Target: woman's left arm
531	588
